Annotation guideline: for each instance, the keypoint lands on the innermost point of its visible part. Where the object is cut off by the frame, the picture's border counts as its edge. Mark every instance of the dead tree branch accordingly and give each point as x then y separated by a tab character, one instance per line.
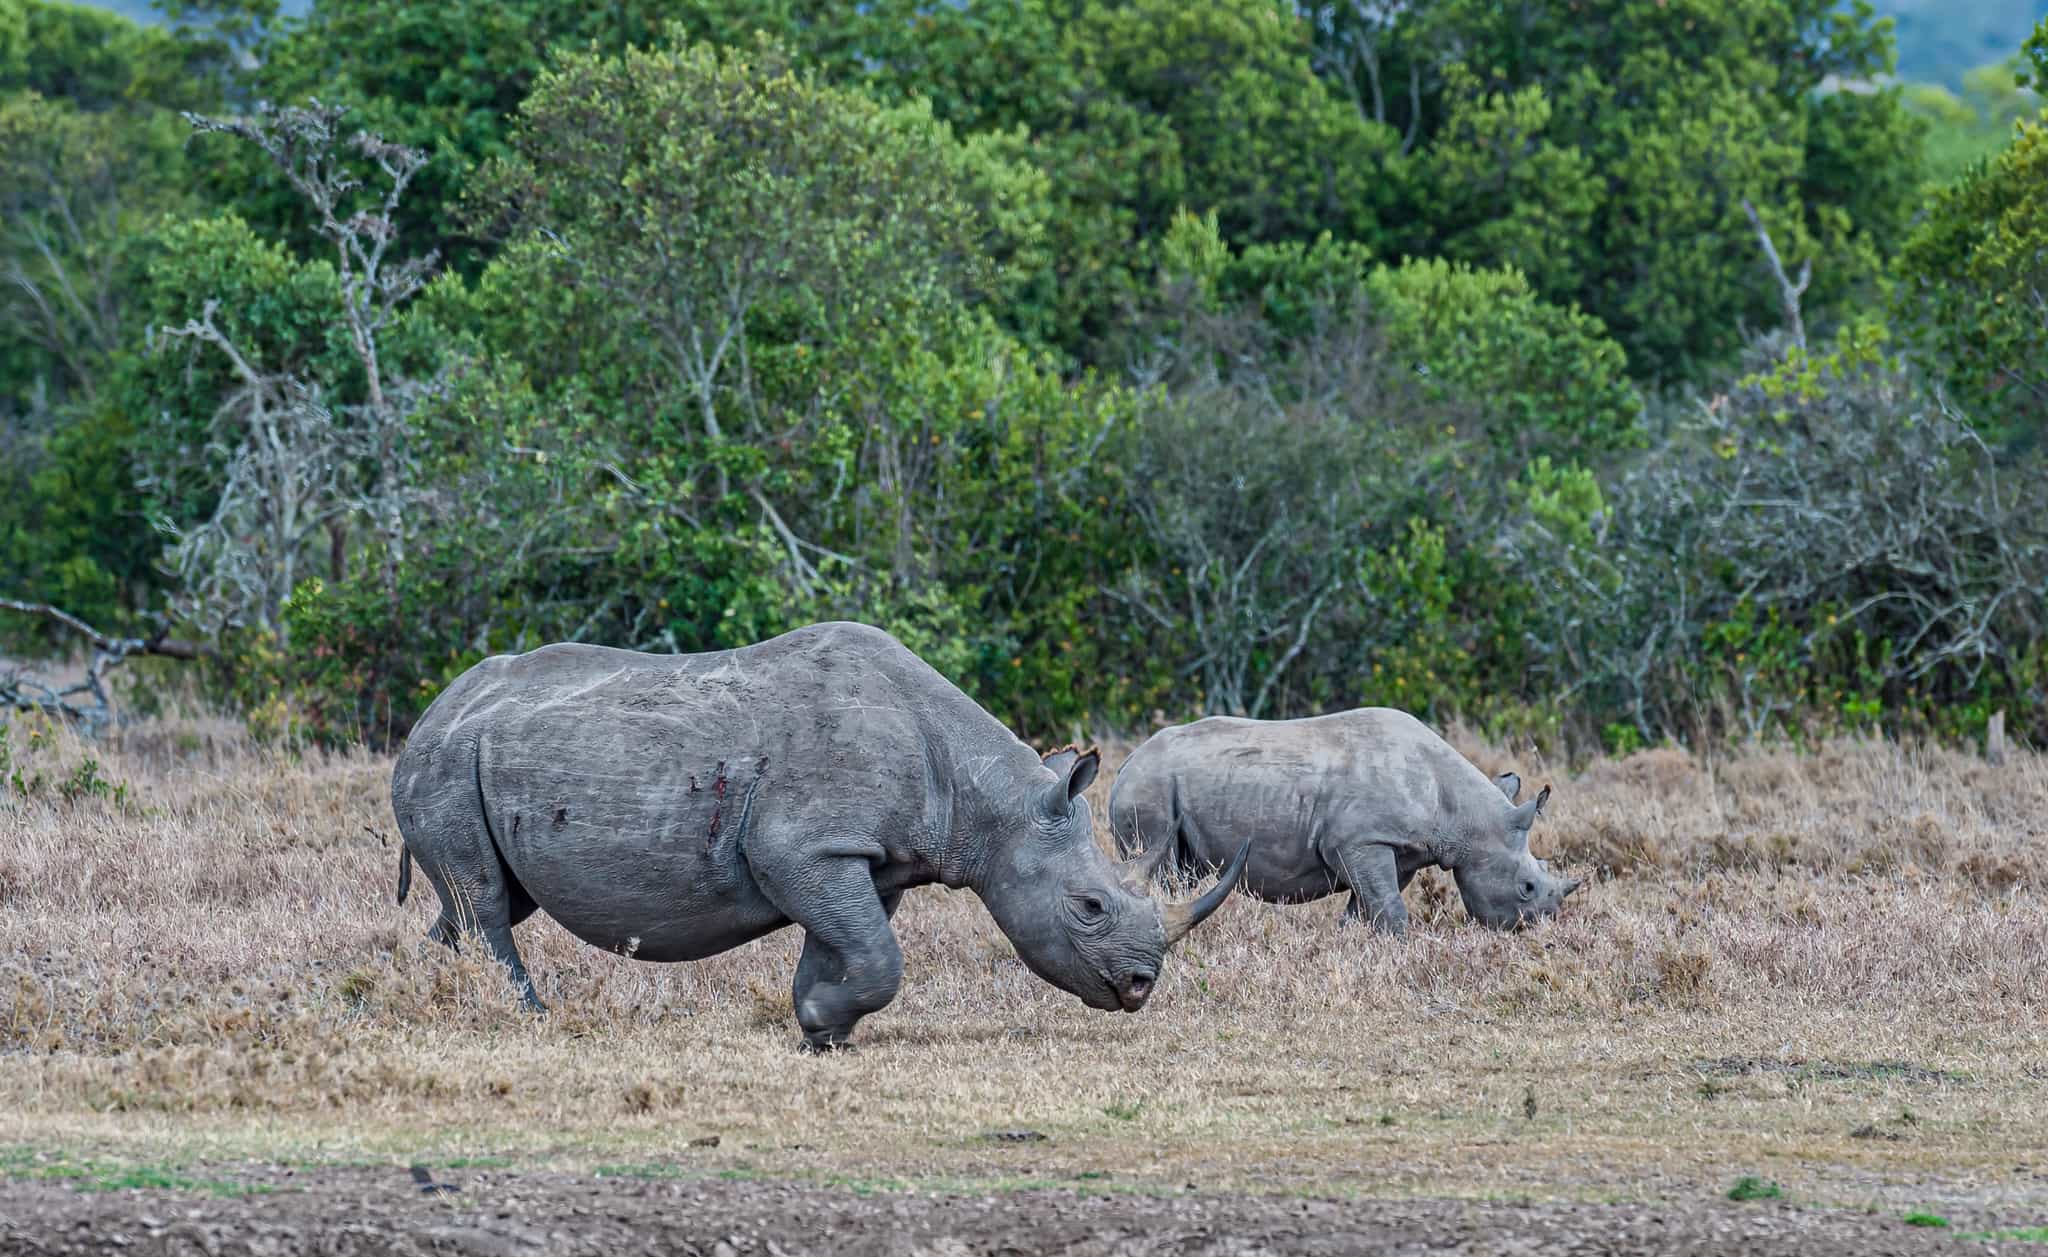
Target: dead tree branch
305	146
23	692
289	472
1789	291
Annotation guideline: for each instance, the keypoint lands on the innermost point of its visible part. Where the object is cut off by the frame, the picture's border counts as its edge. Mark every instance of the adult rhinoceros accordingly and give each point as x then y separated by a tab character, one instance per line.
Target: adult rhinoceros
681	805
1357	800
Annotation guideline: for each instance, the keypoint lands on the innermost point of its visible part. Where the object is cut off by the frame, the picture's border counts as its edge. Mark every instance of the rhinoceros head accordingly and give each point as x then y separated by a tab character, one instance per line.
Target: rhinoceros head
1066	906
1504	886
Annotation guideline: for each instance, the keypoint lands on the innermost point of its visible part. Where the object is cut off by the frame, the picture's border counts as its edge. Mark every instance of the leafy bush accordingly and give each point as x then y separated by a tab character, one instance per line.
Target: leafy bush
1547	380
1821	538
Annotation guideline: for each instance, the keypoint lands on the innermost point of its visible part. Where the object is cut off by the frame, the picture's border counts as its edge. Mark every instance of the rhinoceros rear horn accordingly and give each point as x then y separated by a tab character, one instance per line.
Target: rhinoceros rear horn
1179	918
1142	869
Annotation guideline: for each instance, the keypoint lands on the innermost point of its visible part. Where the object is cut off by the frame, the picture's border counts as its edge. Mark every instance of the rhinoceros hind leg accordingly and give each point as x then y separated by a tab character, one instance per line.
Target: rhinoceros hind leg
492	901
851	965
499	938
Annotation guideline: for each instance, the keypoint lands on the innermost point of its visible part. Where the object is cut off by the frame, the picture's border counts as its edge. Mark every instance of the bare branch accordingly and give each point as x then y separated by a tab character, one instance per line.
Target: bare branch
1308	622
23	692
1788	291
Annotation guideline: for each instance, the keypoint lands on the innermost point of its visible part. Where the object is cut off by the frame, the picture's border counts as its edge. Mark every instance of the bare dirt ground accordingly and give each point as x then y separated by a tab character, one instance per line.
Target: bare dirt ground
361	1211
1823	972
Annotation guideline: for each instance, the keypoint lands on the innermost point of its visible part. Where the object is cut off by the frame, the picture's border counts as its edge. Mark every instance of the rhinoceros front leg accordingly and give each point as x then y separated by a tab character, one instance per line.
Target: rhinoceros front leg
821	970
1374	876
851	965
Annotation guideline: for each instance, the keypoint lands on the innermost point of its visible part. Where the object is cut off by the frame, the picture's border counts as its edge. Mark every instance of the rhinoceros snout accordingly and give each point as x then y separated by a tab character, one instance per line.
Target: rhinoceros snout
1134	988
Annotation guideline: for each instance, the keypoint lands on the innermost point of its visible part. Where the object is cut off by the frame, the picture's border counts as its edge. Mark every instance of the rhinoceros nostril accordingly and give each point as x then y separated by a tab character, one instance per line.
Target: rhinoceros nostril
1134	989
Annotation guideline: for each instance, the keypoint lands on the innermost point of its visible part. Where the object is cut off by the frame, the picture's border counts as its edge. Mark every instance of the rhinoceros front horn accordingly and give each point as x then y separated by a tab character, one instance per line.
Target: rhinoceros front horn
1179	918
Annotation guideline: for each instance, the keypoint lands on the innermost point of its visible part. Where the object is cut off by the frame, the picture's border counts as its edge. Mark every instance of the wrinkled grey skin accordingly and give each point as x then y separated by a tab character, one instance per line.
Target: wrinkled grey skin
1356	801
676	806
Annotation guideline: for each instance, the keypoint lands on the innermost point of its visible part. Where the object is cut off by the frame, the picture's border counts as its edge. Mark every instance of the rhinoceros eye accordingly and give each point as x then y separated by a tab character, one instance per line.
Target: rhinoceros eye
1528	890
1090	906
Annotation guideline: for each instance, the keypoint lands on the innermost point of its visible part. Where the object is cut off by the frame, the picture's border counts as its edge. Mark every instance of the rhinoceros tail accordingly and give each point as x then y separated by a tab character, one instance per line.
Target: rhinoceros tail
404	871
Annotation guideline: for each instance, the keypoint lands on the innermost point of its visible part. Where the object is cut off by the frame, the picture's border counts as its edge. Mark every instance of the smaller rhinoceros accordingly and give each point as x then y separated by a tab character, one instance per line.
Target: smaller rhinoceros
1357	801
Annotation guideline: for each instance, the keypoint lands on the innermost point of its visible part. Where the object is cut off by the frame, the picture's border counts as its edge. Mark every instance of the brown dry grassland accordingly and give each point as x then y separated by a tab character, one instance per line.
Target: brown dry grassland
1821	969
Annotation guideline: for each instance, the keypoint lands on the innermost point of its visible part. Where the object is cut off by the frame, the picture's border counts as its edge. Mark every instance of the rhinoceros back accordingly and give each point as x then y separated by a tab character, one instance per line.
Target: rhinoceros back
620	787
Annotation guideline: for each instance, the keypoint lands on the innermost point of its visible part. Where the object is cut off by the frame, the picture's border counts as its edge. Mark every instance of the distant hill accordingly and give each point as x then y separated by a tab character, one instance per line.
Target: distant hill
140	10
1938	39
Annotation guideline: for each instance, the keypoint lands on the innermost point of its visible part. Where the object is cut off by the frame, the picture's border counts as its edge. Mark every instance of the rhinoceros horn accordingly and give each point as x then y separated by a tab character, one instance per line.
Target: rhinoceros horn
1179	918
1138	871
1141	871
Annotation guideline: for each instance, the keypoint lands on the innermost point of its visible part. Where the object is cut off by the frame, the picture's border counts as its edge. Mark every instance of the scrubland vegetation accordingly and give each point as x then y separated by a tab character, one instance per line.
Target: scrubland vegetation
1614	373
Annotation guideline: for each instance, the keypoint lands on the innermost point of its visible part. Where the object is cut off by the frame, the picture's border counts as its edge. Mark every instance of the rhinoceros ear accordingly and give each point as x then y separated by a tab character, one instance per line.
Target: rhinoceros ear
1510	785
1062	759
1075	770
1520	818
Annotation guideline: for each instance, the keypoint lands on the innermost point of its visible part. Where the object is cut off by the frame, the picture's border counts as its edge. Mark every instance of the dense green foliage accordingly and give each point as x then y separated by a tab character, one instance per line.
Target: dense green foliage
1966	128
1122	356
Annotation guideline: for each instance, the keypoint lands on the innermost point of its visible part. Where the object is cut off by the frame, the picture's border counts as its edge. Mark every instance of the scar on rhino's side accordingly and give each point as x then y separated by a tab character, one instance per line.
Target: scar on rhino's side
746	803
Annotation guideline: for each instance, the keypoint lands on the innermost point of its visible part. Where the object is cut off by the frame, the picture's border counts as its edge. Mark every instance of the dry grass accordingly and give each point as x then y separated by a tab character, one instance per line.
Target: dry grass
1823	969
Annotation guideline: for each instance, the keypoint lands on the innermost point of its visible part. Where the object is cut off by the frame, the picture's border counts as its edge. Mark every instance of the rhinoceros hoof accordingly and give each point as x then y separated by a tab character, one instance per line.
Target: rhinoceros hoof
814	1047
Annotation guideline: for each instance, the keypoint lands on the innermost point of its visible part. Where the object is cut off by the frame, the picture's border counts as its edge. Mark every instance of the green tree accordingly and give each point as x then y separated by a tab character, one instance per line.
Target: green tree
1974	273
2034	54
1263	141
91	165
1605	149
448	78
1502	190
98	60
79	192
802	414
1964	129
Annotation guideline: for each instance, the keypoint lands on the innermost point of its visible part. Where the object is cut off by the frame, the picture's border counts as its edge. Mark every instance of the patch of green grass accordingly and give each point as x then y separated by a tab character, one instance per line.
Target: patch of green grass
24	1162
1916	1218
1750	1187
93	1176
1825	1071
1124	1111
147	1177
478	1163
2011	1234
